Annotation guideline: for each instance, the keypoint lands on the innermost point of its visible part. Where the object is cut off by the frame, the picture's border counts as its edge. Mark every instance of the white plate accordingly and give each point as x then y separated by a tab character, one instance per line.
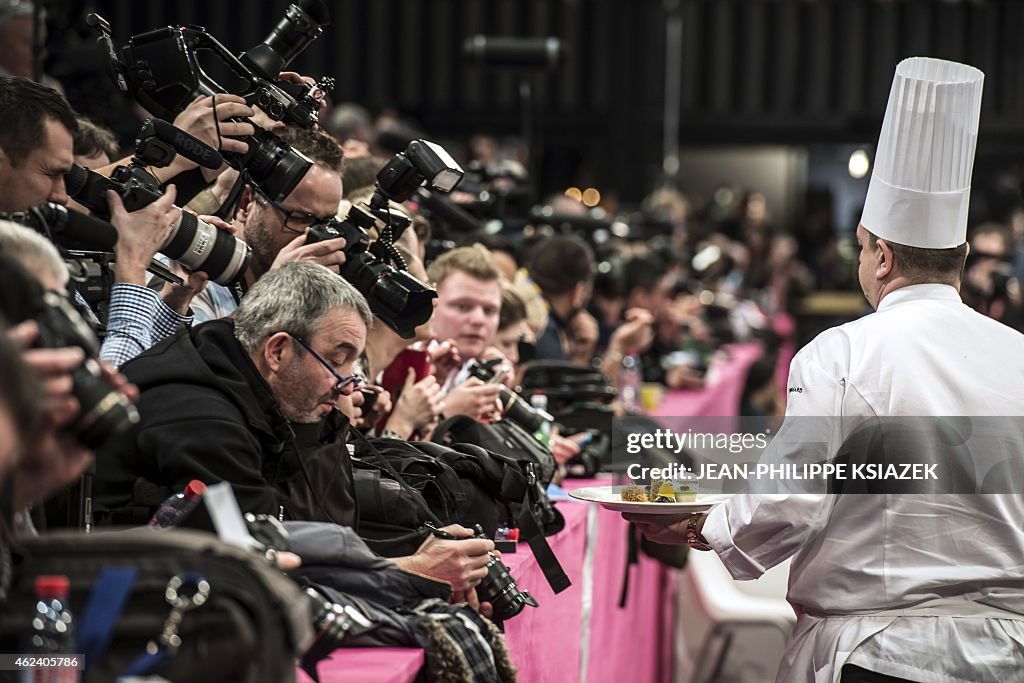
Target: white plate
609	498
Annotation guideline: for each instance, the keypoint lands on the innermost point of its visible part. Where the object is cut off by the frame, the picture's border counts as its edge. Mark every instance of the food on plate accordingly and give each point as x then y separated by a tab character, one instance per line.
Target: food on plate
634	494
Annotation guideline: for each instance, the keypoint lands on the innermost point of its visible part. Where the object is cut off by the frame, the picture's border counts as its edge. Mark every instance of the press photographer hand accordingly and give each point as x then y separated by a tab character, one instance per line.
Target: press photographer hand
141	234
418	405
327	253
461	563
474	398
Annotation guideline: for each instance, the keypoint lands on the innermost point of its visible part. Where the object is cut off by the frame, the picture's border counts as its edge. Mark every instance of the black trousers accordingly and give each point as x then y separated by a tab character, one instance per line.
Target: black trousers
855	674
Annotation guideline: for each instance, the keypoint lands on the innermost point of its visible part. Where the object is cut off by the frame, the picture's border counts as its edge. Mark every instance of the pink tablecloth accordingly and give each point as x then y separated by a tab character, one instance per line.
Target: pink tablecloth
721	397
369	665
583	625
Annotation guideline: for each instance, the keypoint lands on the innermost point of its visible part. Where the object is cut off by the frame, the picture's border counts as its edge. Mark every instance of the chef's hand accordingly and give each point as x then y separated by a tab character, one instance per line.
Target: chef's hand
667	529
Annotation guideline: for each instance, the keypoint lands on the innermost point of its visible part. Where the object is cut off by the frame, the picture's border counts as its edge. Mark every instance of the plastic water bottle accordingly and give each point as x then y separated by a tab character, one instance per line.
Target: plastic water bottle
176	508
630	382
50	636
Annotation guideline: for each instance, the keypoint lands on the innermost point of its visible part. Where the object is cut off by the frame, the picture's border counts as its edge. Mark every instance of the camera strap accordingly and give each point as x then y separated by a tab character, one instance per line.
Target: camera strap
415	495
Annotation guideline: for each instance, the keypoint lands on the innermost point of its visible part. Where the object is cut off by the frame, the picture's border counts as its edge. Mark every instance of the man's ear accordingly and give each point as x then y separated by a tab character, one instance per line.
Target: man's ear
885	260
245	202
276	351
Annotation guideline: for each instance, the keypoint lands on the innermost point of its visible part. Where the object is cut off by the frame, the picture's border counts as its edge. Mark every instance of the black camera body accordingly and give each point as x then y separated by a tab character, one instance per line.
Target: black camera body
500	589
161	70
401	301
104	411
514	406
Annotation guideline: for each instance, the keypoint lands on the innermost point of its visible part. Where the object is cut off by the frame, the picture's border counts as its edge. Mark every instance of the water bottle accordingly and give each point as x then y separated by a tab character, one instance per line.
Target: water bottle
176	508
630	382
543	433
50	637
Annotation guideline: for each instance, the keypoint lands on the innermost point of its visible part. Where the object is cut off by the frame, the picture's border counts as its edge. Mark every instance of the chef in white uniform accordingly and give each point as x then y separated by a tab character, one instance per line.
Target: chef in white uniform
899	587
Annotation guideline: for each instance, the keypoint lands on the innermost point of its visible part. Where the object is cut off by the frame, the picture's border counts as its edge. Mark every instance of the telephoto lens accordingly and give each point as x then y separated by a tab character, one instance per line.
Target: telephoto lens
194	243
500	589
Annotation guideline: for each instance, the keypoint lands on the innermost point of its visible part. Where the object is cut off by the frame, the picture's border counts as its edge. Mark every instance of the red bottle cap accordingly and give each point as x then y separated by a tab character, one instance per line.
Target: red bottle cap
194	489
513	535
52	587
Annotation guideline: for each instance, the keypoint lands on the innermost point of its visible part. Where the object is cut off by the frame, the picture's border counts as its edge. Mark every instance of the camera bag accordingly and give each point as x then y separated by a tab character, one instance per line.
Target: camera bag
392	515
251	628
514	444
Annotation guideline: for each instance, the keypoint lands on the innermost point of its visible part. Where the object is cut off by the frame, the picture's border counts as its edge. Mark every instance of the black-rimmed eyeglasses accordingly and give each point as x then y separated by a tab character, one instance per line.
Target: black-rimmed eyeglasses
353	380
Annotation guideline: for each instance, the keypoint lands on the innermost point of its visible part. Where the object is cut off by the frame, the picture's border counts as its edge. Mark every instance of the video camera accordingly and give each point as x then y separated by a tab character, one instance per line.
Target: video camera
401	301
161	70
194	243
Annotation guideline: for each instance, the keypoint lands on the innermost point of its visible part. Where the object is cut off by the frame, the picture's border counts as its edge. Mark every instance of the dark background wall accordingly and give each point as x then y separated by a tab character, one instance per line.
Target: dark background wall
754	71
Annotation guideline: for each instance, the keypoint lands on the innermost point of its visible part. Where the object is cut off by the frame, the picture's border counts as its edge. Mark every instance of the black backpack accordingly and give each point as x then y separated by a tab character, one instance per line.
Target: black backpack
506	438
397	485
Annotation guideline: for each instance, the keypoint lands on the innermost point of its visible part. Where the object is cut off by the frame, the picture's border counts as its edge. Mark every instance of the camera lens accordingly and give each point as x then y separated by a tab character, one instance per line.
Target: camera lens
200	246
104	412
330	624
275	166
500	589
301	24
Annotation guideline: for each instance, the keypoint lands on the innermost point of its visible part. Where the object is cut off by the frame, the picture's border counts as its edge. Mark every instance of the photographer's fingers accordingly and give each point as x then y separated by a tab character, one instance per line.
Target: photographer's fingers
219	223
458	531
50	362
23	333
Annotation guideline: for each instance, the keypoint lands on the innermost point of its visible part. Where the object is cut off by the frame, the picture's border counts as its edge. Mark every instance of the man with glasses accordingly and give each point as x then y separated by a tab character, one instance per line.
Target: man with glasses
250	400
276	230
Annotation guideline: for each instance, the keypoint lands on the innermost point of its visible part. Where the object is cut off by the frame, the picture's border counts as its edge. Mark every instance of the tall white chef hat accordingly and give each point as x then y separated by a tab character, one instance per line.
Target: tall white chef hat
921	183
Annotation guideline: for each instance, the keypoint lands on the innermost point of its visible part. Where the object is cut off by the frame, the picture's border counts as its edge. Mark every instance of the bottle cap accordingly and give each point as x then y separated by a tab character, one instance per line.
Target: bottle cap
52	586
195	489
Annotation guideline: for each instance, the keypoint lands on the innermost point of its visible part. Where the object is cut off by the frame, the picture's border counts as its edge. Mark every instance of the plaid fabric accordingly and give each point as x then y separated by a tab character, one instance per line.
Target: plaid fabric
168	321
465	641
129	322
138	318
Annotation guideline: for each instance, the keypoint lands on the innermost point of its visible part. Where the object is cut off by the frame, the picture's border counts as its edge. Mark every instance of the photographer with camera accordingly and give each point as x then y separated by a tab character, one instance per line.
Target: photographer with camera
250	401
276	231
468	305
52	456
37	128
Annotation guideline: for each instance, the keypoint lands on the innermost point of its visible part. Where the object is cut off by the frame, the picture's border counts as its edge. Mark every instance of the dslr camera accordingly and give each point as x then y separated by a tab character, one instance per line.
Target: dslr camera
162	71
104	412
194	243
514	406
378	270
500	589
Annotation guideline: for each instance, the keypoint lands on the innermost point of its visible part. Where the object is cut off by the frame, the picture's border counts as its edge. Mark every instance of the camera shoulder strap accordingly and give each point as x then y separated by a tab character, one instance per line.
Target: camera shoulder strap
415	495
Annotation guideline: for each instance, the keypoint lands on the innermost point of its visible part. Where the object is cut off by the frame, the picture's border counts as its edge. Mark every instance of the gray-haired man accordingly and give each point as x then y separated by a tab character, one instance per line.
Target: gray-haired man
250	401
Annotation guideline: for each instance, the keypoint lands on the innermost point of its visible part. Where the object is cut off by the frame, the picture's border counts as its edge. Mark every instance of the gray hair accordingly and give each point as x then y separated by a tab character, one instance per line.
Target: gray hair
32	250
293	299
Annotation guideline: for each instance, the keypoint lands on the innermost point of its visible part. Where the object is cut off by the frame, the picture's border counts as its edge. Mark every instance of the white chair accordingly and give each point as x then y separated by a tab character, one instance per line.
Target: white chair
730	631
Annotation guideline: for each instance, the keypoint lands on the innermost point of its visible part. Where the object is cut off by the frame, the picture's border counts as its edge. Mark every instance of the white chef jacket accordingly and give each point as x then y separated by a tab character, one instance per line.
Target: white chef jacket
860	559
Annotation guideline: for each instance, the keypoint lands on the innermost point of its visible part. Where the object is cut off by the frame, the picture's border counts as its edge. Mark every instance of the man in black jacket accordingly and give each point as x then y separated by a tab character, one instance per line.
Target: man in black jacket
250	401
247	401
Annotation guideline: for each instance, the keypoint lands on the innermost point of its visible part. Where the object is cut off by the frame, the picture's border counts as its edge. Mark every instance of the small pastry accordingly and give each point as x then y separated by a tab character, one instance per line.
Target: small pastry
634	494
652	490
